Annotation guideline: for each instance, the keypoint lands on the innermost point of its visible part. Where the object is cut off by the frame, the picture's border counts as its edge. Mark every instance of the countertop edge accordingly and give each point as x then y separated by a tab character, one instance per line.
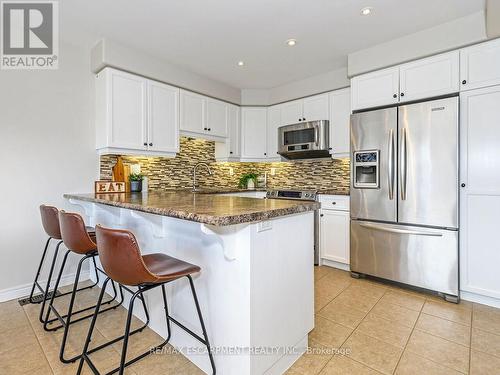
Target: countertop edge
248	218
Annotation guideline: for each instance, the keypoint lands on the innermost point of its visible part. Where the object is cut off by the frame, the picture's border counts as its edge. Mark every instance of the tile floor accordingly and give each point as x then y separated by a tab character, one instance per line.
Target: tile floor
362	327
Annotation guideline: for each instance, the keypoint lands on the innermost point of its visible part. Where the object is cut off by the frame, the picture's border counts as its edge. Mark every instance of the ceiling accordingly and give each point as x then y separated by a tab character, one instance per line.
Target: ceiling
209	37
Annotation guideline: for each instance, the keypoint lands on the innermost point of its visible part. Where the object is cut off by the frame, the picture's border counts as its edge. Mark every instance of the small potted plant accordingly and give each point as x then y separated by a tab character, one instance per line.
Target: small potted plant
248	181
136	182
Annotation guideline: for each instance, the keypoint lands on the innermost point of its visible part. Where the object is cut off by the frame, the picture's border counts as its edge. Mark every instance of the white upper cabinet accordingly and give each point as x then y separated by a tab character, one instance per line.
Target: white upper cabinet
315	108
135	115
340	117
253	133
273	123
163	117
216	118
375	89
480	65
291	112
126	99
230	149
432	76
308	109
202	116
192	112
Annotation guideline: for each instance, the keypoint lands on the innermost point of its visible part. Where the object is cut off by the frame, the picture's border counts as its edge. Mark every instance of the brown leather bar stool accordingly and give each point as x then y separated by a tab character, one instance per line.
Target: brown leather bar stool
50	223
79	242
122	260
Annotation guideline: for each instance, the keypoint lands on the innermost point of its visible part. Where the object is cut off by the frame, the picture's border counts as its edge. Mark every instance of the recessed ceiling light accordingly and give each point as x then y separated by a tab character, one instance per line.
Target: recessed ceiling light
366	11
291	42
241	63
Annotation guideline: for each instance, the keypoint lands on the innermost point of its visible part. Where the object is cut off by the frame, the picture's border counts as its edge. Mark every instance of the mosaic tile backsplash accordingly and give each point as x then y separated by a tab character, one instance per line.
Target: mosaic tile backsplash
177	172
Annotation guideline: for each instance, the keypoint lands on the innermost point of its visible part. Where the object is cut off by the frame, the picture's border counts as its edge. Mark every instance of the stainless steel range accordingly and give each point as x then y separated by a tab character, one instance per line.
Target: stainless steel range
304	195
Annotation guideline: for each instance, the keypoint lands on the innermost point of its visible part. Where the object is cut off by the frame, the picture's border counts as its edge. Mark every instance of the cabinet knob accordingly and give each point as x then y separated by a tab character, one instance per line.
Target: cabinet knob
304	119
334	203
462	185
321	215
300	119
150	143
464	82
145	143
395	96
265	153
402	94
209	129
230	152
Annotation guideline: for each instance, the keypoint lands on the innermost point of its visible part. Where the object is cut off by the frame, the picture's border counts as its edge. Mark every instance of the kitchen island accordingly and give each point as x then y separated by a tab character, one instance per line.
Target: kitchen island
256	283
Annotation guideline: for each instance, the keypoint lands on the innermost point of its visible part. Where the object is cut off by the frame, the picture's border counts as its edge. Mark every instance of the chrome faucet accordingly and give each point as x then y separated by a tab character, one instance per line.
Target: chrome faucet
194	172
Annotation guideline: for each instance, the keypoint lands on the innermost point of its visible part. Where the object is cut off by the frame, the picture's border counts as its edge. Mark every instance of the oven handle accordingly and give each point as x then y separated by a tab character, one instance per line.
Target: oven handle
316	135
400	231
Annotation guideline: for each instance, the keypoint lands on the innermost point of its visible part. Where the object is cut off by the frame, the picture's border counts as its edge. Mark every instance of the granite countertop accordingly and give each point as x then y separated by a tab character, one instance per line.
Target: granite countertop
203	208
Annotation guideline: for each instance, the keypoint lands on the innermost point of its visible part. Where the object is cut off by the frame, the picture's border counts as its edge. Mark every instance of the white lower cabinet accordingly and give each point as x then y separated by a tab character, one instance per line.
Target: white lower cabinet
334	231
480	195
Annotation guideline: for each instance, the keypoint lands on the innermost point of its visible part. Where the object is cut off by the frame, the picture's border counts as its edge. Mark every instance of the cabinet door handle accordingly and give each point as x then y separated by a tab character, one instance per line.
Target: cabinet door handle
230	152
402	94
395	96
150	143
321	215
304	119
464	82
209	129
145	143
265	153
300	119
334	203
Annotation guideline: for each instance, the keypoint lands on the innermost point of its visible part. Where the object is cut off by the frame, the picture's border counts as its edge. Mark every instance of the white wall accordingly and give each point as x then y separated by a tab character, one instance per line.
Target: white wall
333	80
110	53
451	35
48	148
329	81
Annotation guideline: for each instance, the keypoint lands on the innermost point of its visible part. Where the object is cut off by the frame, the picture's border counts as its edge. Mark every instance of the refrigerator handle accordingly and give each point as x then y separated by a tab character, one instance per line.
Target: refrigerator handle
390	174
400	231
403	165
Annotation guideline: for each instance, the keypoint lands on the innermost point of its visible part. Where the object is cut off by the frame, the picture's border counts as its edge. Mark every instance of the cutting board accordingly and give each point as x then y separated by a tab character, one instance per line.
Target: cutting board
119	170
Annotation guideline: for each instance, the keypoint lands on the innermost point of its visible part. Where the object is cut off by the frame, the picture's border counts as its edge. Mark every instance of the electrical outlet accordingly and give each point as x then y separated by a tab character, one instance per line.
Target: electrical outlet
273	171
264	225
231	171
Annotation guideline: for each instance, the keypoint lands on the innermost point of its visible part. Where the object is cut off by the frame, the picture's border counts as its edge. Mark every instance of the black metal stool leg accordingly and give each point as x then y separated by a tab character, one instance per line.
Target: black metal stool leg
35	283
91	330
127	332
207	343
56	285
51	271
70	311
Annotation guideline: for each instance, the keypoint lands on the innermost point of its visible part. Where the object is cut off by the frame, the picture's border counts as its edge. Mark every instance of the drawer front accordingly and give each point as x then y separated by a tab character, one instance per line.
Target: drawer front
334	202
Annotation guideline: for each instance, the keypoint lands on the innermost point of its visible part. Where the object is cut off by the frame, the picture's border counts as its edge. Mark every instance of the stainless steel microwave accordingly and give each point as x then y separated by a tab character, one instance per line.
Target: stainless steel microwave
305	140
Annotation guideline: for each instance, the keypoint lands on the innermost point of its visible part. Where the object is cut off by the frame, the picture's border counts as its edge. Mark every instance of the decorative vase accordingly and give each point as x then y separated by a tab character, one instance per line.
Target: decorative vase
136	186
250	184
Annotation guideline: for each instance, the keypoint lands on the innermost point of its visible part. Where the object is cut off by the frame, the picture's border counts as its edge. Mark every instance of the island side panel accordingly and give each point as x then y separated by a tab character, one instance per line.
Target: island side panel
282	290
223	285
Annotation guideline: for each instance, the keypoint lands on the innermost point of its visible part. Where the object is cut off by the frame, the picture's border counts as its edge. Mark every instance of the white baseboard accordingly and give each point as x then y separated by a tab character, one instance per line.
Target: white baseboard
484	300
24	290
331	263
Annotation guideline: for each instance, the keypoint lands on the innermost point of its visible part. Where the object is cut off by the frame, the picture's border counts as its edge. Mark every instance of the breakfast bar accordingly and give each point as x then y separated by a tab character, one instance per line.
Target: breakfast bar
256	281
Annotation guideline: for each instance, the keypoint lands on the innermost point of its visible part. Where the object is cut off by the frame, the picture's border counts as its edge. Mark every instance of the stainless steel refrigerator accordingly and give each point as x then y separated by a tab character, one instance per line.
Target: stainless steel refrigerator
404	194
